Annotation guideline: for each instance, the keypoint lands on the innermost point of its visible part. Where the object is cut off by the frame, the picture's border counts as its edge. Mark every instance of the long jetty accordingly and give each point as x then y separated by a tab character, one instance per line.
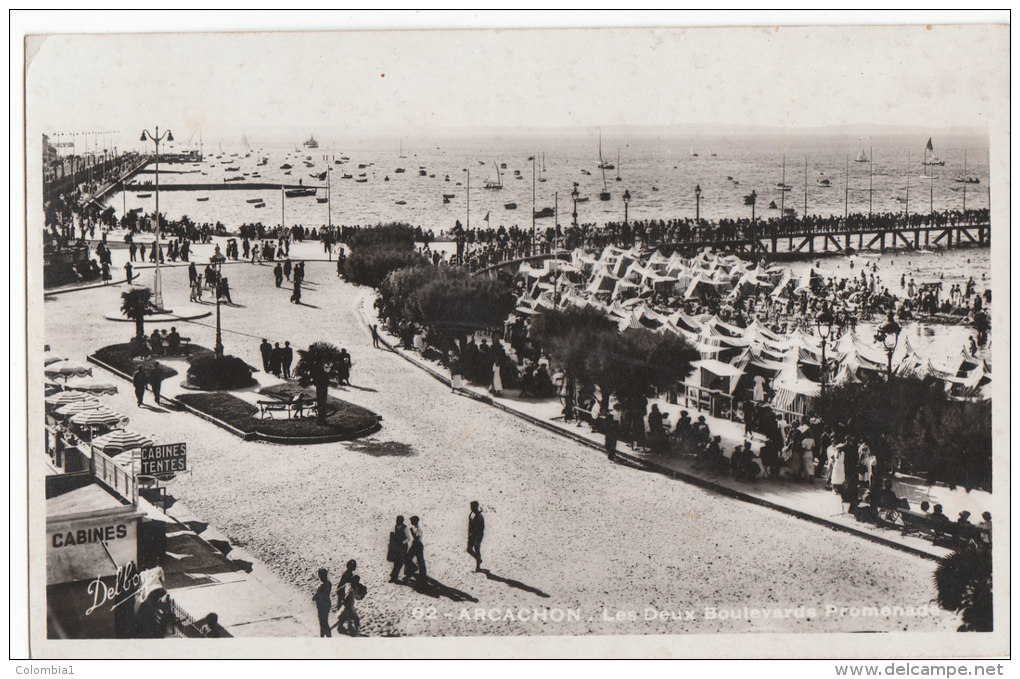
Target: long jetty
222	186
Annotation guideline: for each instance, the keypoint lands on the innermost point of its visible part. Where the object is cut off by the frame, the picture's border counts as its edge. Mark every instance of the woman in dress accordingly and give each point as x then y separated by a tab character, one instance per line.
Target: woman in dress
497	379
455	380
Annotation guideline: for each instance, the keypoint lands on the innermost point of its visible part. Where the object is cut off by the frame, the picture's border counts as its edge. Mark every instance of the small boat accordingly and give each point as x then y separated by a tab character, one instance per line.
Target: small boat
729	178
399	170
361	181
322	200
202	199
232	169
286	166
449	195
503	165
258	205
255	174
604	195
401	202
498	184
338	162
655	188
144	195
585	172
447	178
445	200
346	176
255	200
517	173
790	211
423	173
544	212
861	157
432	176
287	172
510	206
824	182
363	174
299	193
783	187
310	142
585	199
773	206
233	179
386	178
264	161
362	166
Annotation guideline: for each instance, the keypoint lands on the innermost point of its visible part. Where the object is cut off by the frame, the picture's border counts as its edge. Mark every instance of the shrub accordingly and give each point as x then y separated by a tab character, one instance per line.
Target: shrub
121	357
370	265
213	373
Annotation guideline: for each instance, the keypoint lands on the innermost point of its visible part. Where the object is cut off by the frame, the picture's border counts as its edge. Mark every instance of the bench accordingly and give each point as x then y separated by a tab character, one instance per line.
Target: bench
922	524
300	408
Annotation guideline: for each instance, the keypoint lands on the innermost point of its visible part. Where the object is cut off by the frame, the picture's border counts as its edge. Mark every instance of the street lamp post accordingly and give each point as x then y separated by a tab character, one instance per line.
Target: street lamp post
217	259
824	323
697	204
889	335
575	195
626	203
157	286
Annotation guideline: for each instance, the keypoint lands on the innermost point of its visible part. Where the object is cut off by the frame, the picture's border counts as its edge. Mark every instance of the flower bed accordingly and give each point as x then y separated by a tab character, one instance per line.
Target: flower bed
119	356
345	421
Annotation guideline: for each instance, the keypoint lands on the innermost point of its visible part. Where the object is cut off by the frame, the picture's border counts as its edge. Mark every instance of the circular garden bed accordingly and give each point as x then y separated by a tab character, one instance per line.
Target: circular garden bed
345	420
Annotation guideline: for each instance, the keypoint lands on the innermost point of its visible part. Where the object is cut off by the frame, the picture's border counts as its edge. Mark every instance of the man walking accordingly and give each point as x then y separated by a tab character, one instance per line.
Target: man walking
278	274
155	382
286	358
267	351
127	272
321	600
416	552
396	551
138	379
276	360
476	531
375	336
286	269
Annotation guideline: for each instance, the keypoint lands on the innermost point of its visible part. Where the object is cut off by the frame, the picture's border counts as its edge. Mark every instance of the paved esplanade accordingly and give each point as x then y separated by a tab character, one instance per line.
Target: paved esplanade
560	520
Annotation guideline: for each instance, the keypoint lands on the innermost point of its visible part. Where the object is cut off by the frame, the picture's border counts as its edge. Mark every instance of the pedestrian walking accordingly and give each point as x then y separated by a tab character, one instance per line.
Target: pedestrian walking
348	621
276	360
138	379
345	368
127	272
266	349
396	551
155	382
375	336
133	251
278	274
322	600
192	274
255	254
286	358
296	296
455	379
286	268
475	533
416	552
611	429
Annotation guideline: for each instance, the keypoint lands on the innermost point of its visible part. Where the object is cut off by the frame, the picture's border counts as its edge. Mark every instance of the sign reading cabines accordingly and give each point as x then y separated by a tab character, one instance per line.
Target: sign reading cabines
164	459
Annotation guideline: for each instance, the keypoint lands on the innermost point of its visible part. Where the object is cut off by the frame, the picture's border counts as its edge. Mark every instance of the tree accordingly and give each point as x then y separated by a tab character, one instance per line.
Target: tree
136	303
752	200
571	337
452	302
317	366
963	581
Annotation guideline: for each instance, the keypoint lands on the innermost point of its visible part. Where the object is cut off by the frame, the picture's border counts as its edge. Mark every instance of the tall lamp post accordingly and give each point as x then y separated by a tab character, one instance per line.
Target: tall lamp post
889	335
697	204
217	260
626	202
157	286
824	324
575	195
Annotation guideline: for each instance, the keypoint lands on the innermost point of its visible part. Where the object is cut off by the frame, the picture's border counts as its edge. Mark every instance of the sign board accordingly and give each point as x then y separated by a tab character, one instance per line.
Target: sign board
90	547
164	459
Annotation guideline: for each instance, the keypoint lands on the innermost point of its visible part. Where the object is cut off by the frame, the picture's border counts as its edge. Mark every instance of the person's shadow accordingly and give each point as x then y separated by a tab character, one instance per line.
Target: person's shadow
513	583
435	589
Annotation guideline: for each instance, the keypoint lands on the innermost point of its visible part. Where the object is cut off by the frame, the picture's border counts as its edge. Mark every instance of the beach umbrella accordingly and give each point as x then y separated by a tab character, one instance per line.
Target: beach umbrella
50	357
94	385
64	398
67	369
119	440
98	417
81	406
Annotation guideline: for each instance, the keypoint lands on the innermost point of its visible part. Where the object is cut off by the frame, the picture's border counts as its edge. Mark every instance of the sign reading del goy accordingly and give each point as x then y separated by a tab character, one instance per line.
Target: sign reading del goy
164	459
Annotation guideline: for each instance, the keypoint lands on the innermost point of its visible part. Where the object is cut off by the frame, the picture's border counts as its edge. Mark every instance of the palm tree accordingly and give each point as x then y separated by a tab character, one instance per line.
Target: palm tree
135	304
751	199
317	366
963	580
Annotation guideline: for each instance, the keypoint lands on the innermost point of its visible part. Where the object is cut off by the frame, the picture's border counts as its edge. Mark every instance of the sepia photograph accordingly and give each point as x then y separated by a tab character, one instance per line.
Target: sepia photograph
551	341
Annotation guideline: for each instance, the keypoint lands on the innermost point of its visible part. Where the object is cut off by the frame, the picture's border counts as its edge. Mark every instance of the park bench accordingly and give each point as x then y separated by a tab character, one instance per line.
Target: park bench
922	524
297	408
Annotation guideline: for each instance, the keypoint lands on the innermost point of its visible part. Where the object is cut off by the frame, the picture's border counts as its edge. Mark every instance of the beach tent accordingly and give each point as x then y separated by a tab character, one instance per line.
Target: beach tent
794	392
712	374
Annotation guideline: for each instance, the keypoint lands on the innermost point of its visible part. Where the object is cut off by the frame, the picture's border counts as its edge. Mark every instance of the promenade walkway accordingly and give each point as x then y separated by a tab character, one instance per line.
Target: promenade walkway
808	500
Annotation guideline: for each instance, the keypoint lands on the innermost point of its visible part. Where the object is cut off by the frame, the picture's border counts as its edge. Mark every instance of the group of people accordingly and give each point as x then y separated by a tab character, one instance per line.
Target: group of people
406	553
211	279
163	343
276	360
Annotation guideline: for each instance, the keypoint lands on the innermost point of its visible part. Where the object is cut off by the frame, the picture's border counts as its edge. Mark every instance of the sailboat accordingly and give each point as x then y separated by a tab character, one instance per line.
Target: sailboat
929	158
498	184
602	164
541	168
618	164
861	157
402	148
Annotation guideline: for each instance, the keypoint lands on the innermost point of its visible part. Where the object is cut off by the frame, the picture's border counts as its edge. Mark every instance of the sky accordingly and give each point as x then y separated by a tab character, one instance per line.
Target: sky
407	81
